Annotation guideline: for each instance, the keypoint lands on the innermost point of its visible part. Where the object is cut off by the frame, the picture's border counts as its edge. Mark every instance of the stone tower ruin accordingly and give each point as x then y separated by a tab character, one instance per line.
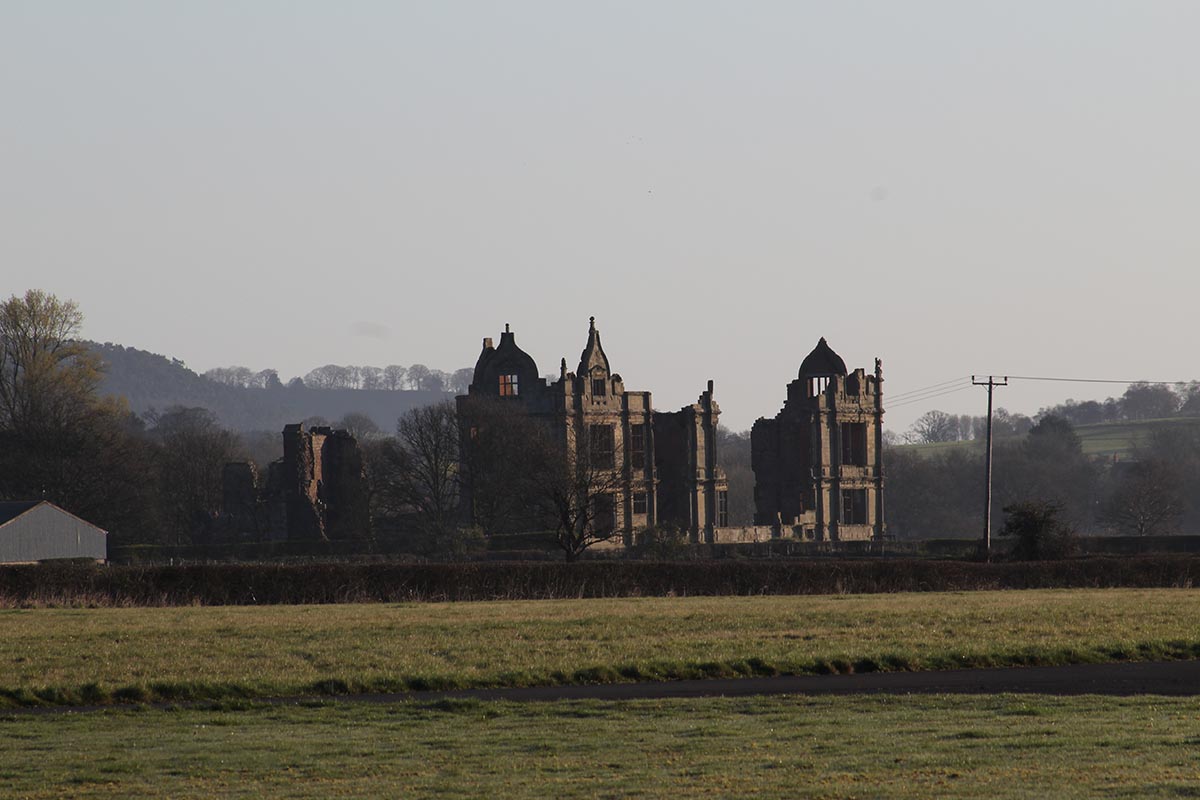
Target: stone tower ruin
818	465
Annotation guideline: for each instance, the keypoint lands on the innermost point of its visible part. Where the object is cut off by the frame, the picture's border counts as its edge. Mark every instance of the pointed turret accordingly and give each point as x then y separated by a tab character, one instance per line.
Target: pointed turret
593	354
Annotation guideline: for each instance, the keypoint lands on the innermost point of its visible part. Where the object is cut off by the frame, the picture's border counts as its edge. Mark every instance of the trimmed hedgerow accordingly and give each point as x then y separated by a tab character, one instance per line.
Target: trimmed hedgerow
269	584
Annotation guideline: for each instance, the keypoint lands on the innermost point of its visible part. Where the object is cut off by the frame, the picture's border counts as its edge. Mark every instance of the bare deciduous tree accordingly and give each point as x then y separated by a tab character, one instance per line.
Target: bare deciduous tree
394	376
371	377
934	426
460	381
429	441
330	376
1147	500
193	449
576	487
418	374
46	375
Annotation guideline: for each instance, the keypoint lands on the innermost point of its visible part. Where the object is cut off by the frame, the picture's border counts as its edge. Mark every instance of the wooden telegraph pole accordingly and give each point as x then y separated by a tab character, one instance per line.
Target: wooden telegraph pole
991	383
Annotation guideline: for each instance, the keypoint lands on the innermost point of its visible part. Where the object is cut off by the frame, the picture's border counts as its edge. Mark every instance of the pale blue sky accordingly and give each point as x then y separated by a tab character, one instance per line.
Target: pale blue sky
955	187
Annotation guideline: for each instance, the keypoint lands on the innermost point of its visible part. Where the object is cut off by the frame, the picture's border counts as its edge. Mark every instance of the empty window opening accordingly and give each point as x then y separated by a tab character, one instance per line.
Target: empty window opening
601	441
854	443
637	446
604	514
854	506
723	509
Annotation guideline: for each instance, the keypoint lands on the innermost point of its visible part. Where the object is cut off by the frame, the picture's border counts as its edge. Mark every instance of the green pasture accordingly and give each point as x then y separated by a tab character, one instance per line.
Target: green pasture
1121	439
1109	439
100	655
1003	746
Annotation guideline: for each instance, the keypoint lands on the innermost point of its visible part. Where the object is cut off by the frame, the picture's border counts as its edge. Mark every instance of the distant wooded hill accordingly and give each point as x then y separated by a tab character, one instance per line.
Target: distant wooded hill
151	381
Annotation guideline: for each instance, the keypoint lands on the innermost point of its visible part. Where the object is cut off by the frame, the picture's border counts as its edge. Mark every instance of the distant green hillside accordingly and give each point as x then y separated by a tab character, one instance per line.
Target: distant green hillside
1106	439
148	380
1121	438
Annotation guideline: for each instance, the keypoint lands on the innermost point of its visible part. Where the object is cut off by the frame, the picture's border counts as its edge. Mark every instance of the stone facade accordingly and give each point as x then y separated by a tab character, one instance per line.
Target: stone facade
818	464
666	462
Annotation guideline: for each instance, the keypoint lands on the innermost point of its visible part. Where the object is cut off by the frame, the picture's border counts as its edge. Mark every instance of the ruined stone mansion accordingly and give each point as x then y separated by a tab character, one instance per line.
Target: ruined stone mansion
666	461
818	464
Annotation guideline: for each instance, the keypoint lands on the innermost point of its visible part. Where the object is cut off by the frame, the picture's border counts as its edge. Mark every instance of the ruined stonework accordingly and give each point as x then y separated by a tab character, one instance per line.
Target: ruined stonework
316	492
667	462
323	483
818	465
691	489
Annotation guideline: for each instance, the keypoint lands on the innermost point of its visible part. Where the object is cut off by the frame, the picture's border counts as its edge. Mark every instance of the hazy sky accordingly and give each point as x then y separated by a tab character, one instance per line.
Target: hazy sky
955	187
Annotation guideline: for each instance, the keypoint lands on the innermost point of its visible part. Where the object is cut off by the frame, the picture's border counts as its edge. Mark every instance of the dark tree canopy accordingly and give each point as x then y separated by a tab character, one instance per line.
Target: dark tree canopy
1039	531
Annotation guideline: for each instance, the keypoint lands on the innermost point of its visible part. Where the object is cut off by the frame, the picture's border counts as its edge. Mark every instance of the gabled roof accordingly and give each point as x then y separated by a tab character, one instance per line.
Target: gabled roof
11	509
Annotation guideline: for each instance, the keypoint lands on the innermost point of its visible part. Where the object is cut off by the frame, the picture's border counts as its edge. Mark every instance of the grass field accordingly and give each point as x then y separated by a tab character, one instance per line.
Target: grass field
74	656
902	747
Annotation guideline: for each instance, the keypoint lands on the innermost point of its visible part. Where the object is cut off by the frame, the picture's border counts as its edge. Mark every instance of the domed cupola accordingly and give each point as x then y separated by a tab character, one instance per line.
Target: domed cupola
507	370
822	362
820	367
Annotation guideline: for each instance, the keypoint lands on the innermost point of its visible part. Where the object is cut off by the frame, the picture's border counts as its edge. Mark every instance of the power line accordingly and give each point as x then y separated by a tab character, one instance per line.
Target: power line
901	395
936	390
940	389
930	397
1090	380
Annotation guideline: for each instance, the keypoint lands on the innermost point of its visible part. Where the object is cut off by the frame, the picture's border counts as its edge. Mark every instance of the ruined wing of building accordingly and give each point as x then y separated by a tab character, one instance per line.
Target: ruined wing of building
818	464
316	493
664	464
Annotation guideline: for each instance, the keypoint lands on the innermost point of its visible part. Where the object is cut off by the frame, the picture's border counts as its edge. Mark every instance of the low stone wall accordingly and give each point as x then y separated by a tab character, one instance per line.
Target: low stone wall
744	535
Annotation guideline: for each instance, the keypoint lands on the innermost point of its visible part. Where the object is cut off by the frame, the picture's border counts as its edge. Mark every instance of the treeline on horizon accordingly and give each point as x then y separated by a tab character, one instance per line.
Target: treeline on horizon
1141	401
392	378
154	477
257	402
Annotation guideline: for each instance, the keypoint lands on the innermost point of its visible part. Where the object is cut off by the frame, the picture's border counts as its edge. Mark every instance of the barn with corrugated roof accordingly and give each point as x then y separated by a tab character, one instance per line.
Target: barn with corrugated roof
37	530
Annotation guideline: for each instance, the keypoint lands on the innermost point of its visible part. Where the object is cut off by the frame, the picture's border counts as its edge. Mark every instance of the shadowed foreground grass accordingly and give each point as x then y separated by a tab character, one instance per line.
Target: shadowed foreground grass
73	656
902	747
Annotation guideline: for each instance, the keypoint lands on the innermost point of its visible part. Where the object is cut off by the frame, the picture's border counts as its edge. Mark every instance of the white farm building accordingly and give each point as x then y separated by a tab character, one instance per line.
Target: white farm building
36	530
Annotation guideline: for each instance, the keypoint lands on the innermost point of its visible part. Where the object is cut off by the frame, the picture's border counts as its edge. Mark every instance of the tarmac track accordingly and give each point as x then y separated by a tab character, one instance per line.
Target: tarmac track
1176	678
1171	678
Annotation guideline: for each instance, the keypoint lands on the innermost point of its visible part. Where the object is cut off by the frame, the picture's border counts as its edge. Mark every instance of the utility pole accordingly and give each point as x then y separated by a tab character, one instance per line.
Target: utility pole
991	383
